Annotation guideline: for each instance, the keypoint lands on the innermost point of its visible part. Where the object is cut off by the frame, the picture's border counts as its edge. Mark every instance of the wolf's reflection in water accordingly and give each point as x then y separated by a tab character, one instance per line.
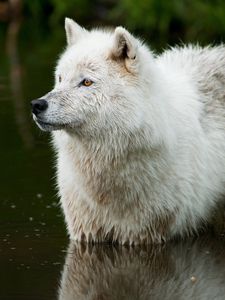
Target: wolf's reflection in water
194	269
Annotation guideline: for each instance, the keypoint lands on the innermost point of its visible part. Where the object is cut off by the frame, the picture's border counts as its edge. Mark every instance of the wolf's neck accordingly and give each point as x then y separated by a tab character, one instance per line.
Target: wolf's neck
112	171
109	158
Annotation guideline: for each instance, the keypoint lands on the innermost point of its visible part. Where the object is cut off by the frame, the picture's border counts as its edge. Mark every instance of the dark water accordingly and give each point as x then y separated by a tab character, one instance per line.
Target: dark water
36	260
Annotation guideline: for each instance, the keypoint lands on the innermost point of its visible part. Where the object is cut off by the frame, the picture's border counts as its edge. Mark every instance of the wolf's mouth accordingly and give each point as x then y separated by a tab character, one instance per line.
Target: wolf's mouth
46	126
45	123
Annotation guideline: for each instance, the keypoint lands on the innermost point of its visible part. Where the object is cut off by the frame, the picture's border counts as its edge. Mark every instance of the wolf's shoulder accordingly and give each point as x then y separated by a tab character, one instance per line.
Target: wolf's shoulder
195	58
205	68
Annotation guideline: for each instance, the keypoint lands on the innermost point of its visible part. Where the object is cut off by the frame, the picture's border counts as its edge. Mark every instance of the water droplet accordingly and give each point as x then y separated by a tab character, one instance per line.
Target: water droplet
56	263
193	279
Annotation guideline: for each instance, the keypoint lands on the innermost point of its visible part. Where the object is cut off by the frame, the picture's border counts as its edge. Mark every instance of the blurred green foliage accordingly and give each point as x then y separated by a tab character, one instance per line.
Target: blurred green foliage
55	10
158	20
172	20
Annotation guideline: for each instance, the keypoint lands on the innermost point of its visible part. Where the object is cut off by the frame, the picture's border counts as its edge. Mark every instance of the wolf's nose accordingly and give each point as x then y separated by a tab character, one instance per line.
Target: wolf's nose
38	106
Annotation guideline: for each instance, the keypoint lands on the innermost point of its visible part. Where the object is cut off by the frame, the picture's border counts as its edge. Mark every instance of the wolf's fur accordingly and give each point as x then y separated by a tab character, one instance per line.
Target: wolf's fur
141	151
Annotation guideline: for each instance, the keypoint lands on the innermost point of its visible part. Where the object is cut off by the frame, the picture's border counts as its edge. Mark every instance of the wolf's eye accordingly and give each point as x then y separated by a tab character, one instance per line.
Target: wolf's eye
60	78
86	82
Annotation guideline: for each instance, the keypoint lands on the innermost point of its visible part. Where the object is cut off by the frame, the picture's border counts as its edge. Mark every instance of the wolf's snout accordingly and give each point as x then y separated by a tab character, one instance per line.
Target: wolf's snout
38	106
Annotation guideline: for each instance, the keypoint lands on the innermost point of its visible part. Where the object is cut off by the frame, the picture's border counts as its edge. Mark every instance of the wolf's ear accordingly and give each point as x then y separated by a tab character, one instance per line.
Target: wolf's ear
125	46
73	31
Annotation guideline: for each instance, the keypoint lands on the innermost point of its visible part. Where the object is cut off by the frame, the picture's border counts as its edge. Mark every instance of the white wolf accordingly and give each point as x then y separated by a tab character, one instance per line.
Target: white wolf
140	139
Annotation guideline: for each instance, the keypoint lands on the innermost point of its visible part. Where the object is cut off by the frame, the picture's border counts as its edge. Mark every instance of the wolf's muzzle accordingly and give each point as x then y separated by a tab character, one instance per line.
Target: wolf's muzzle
38	106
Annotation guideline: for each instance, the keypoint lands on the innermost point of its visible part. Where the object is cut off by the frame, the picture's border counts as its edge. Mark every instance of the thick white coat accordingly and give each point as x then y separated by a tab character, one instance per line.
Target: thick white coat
141	151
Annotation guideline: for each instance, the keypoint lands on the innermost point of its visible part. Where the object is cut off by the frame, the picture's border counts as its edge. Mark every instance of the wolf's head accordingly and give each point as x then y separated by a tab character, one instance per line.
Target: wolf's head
100	81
